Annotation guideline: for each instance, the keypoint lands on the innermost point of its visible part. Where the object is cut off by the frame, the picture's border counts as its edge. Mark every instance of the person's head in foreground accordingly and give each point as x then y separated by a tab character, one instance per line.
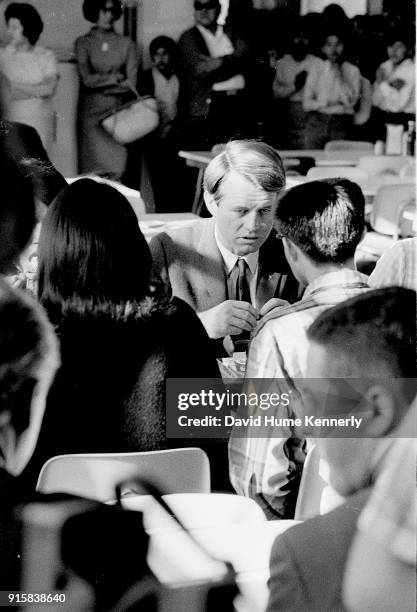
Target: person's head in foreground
365	350
93	257
321	224
162	51
28	361
241	188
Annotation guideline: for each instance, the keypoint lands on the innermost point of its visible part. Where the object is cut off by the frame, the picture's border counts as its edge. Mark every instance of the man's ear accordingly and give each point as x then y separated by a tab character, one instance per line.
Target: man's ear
380	412
290	249
210	203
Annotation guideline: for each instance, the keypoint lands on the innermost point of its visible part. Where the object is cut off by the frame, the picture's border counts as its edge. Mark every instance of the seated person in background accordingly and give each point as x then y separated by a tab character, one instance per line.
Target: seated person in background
291	73
321	224
120	333
394	89
161	147
330	94
230	267
397	266
372	333
381	568
28	360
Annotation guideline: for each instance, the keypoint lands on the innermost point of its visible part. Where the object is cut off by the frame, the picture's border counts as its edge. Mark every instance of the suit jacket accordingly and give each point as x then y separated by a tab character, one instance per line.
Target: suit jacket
191	262
308	560
196	87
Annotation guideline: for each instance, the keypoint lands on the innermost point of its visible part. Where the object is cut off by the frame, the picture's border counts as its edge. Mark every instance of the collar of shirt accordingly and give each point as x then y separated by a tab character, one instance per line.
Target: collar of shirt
219	43
331	279
230	258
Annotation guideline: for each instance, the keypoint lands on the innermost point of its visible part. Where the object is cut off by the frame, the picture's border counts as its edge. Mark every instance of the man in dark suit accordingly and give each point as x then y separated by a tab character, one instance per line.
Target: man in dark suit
375	333
203	262
213	61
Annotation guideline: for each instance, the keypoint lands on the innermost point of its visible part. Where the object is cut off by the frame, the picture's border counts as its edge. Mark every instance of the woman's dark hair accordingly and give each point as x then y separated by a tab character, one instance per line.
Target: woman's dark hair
17	211
93	257
92	8
29	18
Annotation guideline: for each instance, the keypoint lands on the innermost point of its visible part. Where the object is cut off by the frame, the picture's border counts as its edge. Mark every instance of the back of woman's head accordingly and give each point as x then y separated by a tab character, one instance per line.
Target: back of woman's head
92	254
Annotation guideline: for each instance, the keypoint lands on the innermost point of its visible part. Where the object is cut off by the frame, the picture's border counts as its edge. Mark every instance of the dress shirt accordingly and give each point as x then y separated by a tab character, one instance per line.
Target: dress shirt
230	260
219	45
286	69
327	92
166	92
397	266
259	467
392	100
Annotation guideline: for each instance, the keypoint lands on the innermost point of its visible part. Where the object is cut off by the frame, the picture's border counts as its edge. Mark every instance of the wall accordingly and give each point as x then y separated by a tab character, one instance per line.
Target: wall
64	21
351	7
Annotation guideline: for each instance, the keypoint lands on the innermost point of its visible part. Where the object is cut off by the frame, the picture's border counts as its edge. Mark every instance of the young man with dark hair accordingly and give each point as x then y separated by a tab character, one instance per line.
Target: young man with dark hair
321	224
365	345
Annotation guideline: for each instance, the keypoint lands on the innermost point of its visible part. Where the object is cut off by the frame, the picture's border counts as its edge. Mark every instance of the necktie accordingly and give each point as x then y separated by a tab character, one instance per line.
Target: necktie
240	291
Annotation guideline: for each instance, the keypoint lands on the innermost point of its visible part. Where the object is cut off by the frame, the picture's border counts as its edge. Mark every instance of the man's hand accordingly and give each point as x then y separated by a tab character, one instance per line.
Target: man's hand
208	64
270	305
397	84
228	318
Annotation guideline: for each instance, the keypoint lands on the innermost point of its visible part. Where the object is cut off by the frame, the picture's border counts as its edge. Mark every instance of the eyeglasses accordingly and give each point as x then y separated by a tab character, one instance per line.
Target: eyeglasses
205	6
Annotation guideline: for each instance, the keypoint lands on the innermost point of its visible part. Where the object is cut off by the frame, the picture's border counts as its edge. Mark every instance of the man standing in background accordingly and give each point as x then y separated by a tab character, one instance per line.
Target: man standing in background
213	62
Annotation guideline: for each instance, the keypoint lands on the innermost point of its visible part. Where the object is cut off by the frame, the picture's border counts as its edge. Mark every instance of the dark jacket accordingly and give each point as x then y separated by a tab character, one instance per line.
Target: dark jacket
109	394
195	87
308	561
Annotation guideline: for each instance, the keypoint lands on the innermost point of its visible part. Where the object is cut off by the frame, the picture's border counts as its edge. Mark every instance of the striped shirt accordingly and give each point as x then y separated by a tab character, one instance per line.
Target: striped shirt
260	466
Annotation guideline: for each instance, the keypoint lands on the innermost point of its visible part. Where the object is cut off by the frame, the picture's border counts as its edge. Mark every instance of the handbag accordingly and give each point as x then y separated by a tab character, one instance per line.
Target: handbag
133	120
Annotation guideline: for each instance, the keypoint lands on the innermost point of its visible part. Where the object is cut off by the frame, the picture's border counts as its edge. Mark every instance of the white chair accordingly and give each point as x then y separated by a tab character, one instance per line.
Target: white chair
348	172
386	221
349	145
180	470
376	165
409	170
315	495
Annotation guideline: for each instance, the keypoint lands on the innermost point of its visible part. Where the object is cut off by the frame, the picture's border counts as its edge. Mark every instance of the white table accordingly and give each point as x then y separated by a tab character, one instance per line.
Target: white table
155	223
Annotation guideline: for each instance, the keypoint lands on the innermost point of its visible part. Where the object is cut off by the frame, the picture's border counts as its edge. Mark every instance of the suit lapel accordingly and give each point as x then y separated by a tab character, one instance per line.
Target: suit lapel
210	280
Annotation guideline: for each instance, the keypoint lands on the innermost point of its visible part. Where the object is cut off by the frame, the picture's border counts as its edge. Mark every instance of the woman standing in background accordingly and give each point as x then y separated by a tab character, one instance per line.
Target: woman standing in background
107	65
30	71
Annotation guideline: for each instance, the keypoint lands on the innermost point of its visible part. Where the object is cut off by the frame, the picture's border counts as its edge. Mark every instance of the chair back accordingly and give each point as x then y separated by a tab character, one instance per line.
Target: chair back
348	172
349	145
388	207
376	165
315	495
94	476
409	170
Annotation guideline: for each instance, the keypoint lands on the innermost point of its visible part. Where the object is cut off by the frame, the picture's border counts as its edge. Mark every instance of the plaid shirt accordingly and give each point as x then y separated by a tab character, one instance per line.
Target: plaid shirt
262	467
397	266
